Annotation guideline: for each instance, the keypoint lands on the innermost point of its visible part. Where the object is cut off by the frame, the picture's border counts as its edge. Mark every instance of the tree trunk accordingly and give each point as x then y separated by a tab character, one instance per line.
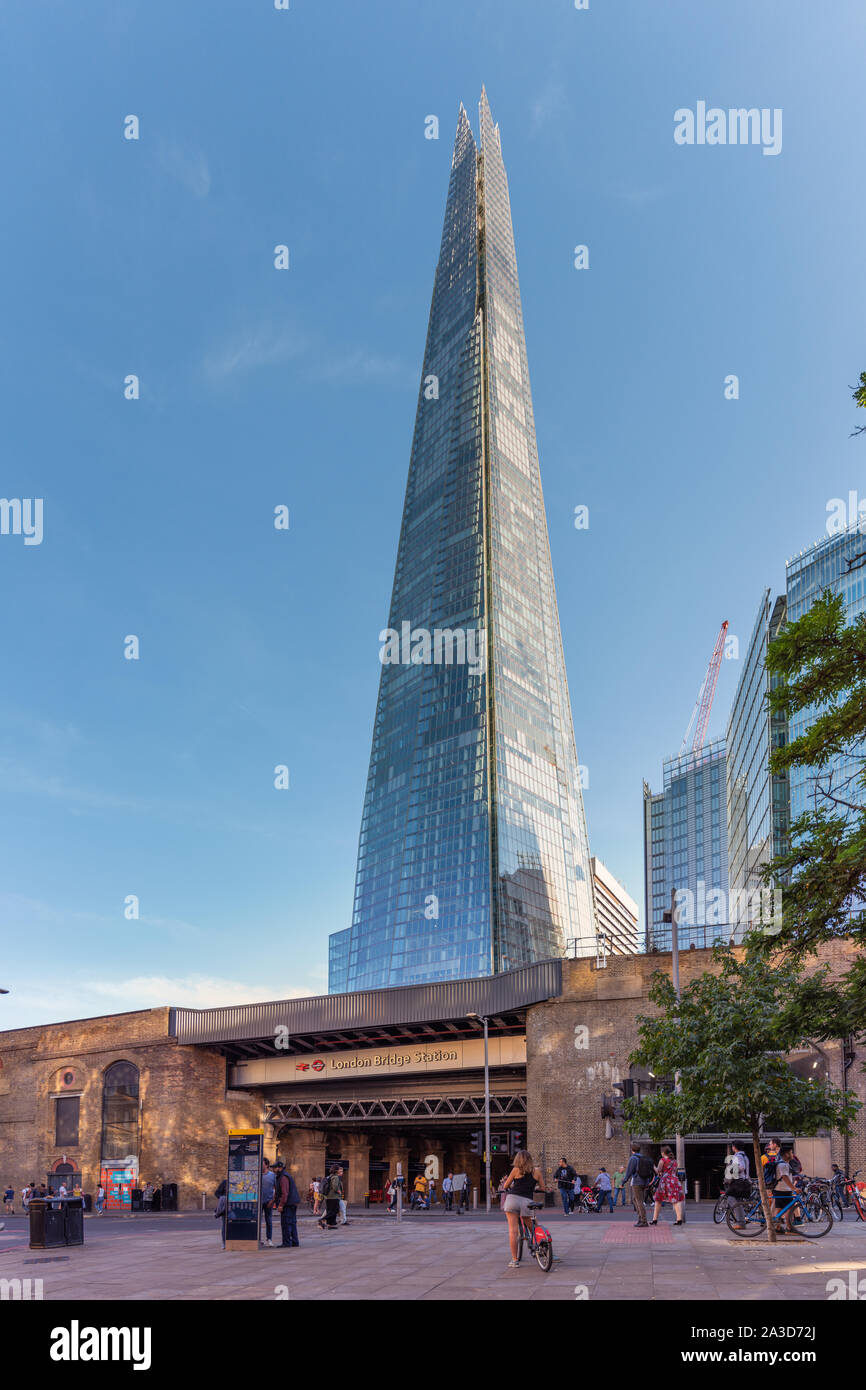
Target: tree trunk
766	1201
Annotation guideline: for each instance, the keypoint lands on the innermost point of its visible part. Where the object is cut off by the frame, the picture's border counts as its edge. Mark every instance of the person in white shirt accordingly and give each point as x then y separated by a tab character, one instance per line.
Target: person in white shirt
448	1190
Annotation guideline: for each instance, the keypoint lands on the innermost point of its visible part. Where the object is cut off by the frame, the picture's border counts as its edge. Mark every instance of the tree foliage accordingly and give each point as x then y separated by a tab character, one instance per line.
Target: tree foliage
728	1037
859	395
819	668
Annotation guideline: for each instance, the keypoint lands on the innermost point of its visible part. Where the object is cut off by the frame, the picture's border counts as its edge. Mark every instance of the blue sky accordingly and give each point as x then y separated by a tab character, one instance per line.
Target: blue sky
258	647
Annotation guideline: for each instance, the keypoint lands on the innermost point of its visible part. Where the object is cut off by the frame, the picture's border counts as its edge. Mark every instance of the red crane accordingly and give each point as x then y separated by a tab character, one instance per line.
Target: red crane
704	702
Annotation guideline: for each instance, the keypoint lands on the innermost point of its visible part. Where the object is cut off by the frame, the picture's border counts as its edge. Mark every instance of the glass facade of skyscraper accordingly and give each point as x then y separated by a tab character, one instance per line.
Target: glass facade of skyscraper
837	563
473	854
757	801
686	847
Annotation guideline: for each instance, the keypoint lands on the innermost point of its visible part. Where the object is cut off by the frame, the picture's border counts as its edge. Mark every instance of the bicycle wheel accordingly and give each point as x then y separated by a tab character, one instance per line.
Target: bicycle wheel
836	1207
720	1209
858	1201
755	1222
544	1254
813	1221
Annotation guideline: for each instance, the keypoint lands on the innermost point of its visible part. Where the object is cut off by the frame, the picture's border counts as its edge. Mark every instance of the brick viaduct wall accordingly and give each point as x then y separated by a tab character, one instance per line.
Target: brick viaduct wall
185	1108
569	1071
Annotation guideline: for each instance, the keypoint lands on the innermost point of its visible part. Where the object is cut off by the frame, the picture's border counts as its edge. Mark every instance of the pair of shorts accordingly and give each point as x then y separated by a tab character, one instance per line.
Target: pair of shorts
515	1203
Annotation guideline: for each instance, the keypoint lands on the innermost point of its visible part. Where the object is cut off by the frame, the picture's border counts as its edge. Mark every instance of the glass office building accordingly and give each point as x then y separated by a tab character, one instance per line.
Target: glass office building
686	848
758	802
837	563
473	854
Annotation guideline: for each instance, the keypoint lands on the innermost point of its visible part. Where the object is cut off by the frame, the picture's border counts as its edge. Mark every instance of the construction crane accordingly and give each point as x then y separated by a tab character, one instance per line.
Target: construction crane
704	702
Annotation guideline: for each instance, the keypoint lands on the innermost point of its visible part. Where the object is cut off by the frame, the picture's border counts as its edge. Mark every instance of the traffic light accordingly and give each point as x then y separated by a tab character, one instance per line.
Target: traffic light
476	1142
515	1141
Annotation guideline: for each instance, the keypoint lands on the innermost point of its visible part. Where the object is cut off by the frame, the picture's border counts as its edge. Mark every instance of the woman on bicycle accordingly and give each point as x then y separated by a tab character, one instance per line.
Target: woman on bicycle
518	1191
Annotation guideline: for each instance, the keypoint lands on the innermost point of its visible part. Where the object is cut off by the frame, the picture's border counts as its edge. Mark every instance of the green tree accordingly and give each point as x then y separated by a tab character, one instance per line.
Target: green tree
818	666
859	395
727	1037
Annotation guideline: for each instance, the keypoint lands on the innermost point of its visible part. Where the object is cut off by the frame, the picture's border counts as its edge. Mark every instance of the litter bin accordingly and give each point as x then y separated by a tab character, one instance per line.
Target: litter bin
88	1201
47	1225
74	1220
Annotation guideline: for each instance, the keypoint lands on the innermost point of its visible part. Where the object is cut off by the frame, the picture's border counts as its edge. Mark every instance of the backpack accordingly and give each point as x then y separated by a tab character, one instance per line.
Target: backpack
795	1166
331	1187
645	1168
770	1172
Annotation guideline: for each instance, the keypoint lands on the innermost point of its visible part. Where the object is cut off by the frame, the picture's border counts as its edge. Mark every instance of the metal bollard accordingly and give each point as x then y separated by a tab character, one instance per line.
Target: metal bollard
697	1192
475	1199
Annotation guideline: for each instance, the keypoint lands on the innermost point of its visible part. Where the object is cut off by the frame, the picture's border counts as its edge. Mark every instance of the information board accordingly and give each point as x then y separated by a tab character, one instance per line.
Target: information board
244	1189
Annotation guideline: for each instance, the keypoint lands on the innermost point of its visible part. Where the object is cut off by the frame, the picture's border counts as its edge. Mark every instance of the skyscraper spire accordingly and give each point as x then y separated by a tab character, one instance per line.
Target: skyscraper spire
473	855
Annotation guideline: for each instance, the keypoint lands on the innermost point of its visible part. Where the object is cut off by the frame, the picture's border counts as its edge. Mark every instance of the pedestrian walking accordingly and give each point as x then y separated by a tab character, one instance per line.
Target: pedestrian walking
286	1201
431	1194
669	1189
332	1191
638	1173
26	1194
317	1195
564	1178
343	1219
604	1188
269	1183
9	1199
147	1196
619	1185
391	1195
100	1199
737	1183
448	1190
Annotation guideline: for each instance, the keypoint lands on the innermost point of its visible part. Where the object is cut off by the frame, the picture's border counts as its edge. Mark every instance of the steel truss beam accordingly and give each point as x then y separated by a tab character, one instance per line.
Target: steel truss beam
421	1108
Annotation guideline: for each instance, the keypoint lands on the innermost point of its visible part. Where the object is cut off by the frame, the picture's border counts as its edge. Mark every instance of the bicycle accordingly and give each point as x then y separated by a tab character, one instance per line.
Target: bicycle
811	1219
720	1210
536	1238
855	1197
817	1192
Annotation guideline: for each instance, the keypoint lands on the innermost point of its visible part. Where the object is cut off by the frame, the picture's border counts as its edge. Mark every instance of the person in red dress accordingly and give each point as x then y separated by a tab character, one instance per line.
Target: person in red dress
670	1189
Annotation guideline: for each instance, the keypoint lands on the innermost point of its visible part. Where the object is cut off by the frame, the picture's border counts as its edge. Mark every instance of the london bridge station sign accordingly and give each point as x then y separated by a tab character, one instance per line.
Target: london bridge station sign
371	1062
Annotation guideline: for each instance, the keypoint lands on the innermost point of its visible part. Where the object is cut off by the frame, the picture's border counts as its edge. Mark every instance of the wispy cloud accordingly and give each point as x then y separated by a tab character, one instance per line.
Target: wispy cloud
188	167
361	365
188	991
637	196
549	106
267	346
58	1001
258	347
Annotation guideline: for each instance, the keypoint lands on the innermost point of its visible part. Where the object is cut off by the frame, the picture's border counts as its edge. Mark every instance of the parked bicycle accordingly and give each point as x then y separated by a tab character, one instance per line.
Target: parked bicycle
809	1217
846	1193
720	1210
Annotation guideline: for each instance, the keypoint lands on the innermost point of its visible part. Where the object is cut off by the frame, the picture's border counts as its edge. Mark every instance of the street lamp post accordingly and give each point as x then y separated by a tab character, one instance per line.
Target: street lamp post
482	1018
675	971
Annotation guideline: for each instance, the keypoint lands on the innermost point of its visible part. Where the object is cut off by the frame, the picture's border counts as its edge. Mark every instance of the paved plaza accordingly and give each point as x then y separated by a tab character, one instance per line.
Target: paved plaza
438	1258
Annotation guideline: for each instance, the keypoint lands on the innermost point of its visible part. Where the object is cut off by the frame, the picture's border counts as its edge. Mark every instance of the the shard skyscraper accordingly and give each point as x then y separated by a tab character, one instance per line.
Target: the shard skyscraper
473	854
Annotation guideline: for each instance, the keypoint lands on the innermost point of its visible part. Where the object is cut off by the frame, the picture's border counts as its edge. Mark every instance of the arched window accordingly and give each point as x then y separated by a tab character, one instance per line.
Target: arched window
120	1111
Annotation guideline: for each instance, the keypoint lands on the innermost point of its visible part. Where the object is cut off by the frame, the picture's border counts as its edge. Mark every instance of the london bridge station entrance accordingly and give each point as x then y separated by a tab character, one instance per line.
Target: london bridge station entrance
383	1077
